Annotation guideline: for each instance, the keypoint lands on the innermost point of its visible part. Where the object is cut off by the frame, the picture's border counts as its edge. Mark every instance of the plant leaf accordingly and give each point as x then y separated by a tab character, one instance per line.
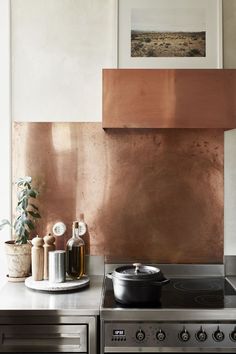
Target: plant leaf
35	215
24	203
34	206
19	209
22	240
3	223
22	180
24	222
19	220
26	234
21	194
32	193
29	223
19	231
16	223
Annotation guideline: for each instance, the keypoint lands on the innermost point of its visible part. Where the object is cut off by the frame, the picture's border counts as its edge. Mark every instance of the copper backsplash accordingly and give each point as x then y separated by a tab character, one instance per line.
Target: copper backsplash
153	195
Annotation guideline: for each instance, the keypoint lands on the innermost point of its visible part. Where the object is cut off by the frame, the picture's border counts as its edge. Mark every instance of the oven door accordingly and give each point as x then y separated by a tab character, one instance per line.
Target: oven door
40	338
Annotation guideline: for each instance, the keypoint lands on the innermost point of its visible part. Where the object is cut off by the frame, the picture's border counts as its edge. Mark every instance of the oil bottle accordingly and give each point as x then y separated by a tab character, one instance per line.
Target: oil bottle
75	254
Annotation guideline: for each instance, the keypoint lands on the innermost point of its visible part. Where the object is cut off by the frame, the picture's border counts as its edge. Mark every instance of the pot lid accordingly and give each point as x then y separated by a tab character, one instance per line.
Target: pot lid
138	271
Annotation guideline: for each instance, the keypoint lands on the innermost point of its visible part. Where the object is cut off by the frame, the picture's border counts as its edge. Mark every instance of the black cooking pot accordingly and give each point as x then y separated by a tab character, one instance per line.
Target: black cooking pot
137	284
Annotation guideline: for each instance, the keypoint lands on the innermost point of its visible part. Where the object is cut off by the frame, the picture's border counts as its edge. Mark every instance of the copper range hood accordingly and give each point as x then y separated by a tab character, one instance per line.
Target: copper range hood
157	98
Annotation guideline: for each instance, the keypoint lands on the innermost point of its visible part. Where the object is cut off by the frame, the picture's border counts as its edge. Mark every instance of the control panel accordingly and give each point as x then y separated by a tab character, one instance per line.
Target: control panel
170	335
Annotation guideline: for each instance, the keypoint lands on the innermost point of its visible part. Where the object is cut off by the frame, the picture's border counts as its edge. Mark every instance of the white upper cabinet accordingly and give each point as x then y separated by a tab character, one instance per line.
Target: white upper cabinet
59	48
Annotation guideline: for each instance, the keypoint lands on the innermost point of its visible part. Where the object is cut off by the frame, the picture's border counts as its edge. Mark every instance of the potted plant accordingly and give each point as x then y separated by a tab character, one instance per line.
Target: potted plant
18	250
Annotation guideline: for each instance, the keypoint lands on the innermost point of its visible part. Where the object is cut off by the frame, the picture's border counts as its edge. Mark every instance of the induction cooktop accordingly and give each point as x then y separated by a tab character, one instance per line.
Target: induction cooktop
184	293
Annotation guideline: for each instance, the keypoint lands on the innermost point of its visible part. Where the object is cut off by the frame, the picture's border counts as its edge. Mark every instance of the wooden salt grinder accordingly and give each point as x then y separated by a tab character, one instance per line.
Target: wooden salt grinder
49	245
37	258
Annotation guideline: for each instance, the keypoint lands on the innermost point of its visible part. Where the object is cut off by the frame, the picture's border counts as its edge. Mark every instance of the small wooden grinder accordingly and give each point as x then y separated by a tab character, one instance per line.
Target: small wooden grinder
37	258
49	245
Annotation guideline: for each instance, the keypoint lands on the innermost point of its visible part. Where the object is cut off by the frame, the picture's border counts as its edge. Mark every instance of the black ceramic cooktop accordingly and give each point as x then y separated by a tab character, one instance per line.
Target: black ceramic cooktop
186	293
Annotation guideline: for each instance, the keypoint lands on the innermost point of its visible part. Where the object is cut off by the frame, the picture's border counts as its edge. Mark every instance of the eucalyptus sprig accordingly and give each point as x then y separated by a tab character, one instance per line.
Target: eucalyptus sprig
26	211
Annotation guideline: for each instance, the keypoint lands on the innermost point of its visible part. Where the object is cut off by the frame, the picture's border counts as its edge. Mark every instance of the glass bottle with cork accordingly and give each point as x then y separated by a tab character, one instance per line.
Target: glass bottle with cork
75	254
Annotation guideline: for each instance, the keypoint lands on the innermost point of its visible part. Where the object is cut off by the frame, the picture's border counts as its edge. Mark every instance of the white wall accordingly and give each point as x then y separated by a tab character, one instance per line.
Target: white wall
229	37
230	193
4	128
229	10
59	48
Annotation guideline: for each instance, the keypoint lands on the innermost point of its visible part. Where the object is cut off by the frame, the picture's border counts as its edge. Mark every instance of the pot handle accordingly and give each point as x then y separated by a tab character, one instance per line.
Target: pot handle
109	275
162	282
137	266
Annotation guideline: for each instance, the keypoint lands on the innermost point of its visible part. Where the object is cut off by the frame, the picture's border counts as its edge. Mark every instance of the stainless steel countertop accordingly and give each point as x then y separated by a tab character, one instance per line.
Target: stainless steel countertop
16	297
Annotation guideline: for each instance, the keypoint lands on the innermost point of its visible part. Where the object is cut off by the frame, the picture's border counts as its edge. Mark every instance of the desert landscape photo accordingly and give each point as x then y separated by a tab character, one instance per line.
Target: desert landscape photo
168	32
168	44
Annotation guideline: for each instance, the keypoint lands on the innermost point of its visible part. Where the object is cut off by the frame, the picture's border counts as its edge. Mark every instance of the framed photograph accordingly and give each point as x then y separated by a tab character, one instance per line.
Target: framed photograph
169	34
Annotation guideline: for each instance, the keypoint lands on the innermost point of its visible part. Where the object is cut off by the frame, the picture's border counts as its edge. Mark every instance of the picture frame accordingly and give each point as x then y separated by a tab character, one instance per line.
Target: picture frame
169	34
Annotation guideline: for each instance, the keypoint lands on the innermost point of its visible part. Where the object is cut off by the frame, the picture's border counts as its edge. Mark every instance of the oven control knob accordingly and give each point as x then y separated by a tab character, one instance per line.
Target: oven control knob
160	335
140	335
201	335
233	335
184	336
218	335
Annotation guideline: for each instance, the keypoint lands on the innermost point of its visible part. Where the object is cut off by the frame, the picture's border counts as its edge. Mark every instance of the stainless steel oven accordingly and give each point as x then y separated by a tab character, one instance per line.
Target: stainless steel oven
197	313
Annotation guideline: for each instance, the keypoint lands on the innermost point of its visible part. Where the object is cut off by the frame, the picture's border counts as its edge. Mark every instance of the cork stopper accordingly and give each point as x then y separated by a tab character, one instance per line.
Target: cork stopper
75	225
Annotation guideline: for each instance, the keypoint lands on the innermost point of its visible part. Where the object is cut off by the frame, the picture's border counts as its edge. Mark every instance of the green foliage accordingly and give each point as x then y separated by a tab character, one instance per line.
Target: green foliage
26	211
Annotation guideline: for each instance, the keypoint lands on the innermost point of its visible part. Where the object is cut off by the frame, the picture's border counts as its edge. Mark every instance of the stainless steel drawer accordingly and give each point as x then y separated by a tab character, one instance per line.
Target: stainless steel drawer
44	338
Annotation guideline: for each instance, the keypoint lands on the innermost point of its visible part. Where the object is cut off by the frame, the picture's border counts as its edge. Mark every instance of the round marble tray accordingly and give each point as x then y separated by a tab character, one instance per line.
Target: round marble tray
45	285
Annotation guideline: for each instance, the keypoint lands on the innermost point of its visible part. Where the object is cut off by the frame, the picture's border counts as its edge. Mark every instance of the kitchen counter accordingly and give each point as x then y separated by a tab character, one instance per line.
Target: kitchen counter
16	298
51	322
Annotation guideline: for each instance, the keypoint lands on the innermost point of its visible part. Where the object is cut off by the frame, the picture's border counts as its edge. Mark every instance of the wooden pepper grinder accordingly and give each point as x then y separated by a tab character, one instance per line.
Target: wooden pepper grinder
37	258
49	245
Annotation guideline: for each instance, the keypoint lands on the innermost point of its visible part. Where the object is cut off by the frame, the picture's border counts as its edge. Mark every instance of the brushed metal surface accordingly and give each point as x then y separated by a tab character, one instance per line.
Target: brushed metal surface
169	98
150	195
172	331
232	281
17	320
35	305
168	350
44	338
230	265
170	315
57	266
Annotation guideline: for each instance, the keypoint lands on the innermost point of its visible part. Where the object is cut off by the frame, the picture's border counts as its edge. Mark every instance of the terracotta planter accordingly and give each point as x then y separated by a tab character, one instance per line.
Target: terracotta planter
18	259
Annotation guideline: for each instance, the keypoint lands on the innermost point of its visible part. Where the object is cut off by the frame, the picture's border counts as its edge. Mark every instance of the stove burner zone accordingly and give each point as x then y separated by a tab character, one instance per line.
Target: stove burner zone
211	300
197	285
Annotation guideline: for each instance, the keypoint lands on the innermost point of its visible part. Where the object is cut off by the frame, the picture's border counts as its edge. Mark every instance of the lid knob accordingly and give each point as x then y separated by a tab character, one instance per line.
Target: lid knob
137	266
